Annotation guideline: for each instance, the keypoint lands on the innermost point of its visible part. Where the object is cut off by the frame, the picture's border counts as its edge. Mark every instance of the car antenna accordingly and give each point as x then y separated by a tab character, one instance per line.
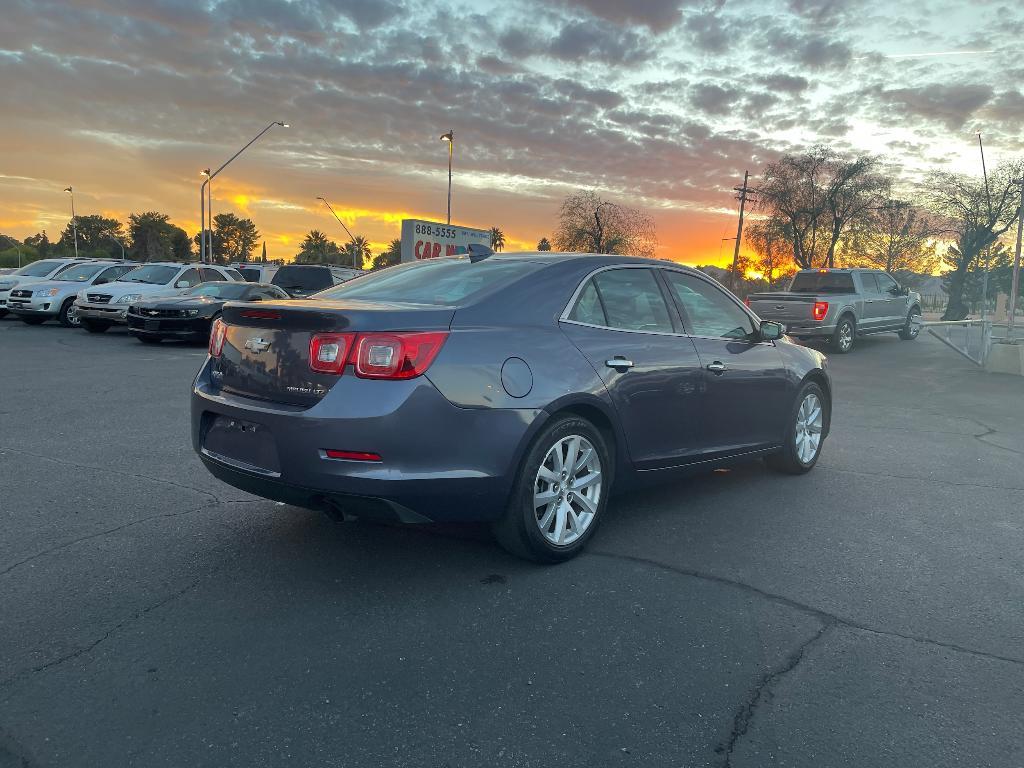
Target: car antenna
478	252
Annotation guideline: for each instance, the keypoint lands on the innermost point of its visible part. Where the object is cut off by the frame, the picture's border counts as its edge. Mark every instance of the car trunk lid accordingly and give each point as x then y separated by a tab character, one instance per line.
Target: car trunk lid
266	346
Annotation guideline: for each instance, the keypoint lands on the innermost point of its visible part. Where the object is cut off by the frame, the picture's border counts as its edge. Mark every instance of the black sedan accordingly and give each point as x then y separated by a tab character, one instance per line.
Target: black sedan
188	315
512	388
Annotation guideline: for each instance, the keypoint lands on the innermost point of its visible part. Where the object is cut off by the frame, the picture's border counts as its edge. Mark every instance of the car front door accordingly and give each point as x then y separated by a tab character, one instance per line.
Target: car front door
891	303
622	322
747	389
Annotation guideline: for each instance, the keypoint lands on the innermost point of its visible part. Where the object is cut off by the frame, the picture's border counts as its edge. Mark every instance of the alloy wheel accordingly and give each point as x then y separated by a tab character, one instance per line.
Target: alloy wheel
809	420
72	315
567	490
845	336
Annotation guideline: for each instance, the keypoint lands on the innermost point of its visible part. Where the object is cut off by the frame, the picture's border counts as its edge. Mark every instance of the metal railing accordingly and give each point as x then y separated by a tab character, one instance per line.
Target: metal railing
971	338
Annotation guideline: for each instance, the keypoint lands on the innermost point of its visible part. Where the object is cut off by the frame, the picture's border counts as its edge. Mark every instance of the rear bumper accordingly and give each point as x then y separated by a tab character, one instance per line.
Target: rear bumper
440	463
111	313
808	330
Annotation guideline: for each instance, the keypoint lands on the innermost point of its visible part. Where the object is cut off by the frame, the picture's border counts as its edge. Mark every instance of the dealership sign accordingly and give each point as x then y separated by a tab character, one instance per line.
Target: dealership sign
430	239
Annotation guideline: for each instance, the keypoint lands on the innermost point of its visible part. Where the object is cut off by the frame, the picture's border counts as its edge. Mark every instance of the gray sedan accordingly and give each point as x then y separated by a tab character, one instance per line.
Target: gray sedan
514	388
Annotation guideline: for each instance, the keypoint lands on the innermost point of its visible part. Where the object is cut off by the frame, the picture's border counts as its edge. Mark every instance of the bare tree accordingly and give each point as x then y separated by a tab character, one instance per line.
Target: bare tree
976	217
853	189
895	236
587	223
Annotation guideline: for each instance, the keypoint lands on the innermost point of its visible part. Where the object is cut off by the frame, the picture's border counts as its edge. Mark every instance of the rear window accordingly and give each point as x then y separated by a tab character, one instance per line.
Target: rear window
822	282
440	282
303	278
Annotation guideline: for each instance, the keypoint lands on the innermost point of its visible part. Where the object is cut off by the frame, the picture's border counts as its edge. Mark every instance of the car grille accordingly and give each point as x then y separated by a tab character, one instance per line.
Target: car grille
22	294
99	298
159	312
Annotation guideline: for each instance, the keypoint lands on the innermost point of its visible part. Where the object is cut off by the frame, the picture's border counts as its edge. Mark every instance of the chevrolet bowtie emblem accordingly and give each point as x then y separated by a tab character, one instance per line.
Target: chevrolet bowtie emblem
257	345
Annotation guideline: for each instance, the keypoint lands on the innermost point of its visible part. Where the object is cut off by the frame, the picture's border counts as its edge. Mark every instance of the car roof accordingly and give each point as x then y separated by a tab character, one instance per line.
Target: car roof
598	259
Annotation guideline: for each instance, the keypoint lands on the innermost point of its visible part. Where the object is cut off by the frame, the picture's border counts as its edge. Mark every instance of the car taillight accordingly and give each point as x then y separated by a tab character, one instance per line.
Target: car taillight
820	310
217	333
396	355
328	352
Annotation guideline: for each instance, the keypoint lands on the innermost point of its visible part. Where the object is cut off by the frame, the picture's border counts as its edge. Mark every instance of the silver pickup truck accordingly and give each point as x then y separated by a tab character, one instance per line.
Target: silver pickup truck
840	305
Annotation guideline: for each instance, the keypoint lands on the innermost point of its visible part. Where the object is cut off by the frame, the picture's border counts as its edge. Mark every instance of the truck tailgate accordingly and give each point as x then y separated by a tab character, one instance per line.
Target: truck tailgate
784	307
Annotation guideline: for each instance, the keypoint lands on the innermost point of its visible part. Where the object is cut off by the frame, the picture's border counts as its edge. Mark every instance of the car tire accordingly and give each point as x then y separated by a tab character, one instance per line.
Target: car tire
544	532
30	320
798	455
68	315
843	338
3	313
145	338
912	328
95	326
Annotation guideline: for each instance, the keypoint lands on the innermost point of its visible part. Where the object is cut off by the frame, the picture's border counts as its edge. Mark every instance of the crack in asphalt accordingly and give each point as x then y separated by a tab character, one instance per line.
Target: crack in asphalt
66	463
822	615
762	691
115	529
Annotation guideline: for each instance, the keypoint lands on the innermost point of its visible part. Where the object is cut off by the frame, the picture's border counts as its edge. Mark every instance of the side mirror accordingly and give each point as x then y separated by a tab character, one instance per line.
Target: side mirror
904	291
770	331
182	284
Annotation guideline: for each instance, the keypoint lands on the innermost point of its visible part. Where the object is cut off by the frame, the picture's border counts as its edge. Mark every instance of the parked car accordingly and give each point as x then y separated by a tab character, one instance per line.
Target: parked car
256	272
840	305
54	299
302	280
516	389
100	308
35	272
189	315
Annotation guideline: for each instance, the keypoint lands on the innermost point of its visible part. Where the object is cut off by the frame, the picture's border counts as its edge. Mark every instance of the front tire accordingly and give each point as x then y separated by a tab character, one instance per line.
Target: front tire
913	325
560	493
95	326
68	315
805	434
845	333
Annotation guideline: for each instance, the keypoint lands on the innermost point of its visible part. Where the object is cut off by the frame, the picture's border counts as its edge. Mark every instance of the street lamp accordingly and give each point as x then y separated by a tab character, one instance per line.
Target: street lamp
988	249
74	222
350	235
202	214
450	138
210	176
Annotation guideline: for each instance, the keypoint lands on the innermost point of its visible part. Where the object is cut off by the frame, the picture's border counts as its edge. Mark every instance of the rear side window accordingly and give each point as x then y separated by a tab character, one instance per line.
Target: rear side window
444	281
303	278
588	307
110	274
210	274
234	274
250	275
632	300
867	279
190	276
707	310
822	282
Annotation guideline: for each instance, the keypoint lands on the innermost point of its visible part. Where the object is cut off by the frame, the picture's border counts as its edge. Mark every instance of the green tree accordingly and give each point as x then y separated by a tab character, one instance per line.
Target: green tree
390	257
152	237
41	243
6	241
315	248
544	244
263	256
357	252
98	236
497	239
234	239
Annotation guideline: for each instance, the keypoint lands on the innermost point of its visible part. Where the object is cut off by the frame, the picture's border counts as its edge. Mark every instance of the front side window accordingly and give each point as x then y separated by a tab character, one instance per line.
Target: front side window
707	309
885	283
190	276
110	274
632	300
78	273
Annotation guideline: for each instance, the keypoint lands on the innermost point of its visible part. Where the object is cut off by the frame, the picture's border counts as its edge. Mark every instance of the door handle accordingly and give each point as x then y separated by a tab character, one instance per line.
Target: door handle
717	367
619	363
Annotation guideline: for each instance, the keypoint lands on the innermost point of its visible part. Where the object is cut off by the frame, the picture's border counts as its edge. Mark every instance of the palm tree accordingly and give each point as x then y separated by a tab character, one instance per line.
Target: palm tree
497	239
544	244
358	250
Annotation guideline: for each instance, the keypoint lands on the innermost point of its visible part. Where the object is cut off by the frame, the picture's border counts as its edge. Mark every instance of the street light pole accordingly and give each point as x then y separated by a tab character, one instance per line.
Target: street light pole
210	176
988	249
111	236
202	214
450	138
1015	282
350	235
74	222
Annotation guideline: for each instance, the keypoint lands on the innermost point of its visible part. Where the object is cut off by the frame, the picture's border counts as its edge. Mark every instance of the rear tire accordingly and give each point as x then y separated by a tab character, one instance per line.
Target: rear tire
95	326
913	325
68	315
29	320
553	511
798	455
845	333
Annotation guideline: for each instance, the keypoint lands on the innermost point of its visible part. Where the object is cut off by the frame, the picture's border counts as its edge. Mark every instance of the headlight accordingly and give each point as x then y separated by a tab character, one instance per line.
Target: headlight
129	298
47	292
191	312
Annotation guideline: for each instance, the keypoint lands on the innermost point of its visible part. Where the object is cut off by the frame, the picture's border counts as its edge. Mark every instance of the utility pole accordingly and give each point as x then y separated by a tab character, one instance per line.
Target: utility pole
742	197
1015	282
450	138
74	221
988	249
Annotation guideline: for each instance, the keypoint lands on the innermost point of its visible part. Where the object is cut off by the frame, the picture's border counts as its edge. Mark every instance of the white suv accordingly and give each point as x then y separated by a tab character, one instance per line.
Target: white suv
35	272
99	308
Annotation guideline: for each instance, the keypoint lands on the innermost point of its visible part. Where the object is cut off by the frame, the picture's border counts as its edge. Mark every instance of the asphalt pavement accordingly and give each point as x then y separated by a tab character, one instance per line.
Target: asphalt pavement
868	614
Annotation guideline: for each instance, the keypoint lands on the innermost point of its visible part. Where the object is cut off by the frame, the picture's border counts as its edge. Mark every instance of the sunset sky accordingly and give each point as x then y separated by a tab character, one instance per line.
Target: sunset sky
656	103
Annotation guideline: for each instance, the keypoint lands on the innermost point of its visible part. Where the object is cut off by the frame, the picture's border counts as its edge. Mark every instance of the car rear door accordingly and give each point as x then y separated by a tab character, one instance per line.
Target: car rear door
622	322
747	390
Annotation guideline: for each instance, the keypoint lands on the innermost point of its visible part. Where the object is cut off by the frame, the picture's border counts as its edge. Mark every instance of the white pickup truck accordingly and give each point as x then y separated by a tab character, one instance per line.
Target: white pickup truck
841	305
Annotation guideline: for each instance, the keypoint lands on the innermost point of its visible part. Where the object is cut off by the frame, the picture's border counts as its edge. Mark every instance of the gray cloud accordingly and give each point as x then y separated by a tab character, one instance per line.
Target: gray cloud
949	104
657	15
